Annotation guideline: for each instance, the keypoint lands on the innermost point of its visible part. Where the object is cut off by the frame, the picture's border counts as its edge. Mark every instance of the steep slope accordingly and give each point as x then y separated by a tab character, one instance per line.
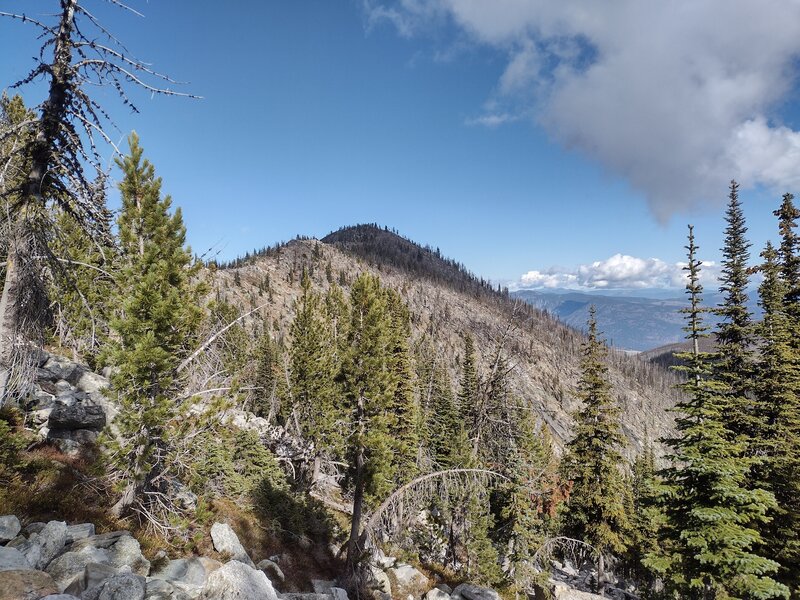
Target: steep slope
447	302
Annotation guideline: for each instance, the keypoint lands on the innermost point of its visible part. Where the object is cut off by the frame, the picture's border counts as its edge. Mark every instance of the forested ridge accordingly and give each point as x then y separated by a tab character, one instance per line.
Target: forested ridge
355	400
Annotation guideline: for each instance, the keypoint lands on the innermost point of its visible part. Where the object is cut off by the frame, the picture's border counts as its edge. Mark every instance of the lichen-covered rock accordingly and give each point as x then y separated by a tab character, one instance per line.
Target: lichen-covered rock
12	559
26	585
238	581
9	528
226	541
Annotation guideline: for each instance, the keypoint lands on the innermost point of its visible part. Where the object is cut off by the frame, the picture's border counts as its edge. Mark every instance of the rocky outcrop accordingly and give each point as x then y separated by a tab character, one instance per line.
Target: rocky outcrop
238	581
226	542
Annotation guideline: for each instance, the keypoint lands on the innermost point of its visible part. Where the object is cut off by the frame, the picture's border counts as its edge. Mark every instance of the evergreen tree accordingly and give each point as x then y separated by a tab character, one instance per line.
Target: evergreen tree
158	314
734	333
313	372
789	254
530	471
468	391
706	550
367	380
646	516
595	511
778	441
406	420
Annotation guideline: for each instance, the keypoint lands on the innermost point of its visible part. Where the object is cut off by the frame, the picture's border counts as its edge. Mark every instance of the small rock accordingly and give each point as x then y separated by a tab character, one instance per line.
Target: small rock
12	559
26	585
40	417
561	591
381	580
159	589
79	532
225	541
237	581
474	592
272	570
63	388
126	586
60	597
9	528
305	596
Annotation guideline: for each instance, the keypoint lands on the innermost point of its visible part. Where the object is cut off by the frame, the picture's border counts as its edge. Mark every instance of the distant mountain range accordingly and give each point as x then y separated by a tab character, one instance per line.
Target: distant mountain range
628	322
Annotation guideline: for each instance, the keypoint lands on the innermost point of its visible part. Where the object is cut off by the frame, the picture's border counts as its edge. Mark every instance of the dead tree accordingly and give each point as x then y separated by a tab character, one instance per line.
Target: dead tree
62	160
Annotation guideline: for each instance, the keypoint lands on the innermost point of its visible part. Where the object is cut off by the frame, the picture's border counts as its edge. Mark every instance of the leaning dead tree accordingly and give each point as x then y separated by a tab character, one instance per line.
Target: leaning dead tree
59	149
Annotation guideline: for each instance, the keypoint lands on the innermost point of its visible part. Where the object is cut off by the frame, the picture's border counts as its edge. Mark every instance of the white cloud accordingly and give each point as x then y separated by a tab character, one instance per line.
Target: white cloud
677	97
619	272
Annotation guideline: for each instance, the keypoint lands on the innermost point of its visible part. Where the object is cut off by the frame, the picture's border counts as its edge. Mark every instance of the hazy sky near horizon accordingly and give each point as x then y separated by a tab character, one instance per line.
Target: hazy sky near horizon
542	143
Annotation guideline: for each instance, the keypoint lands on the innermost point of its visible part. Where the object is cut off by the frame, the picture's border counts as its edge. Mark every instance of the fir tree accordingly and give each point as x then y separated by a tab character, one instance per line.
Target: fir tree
406	420
367	379
790	253
734	333
778	441
158	315
595	512
706	550
646	516
468	390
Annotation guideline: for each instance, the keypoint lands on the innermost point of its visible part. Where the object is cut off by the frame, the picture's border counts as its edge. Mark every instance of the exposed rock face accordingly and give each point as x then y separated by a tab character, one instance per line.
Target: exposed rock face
9	528
12	559
44	546
187	570
226	541
238	581
25	585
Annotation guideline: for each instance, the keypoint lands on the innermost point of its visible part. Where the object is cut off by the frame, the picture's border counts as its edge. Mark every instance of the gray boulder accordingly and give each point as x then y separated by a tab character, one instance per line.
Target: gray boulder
322	586
12	559
437	594
80	531
60	597
187	570
59	368
272	570
562	591
125	586
226	541
127	552
70	566
34	527
93	575
91	382
469	591
77	416
305	596
9	528
238	581
407	581
50	541
339	593
159	589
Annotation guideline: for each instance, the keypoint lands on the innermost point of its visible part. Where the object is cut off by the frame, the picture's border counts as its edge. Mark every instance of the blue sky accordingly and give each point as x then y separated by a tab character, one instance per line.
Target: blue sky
516	138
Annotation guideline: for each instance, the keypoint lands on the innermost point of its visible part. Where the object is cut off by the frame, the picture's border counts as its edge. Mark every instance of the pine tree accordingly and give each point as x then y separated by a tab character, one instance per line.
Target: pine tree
158	314
595	512
468	390
734	333
778	441
706	550
789	254
646	516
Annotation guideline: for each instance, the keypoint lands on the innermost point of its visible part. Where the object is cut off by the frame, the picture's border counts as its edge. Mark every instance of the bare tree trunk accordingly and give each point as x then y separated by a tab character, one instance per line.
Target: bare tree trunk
53	113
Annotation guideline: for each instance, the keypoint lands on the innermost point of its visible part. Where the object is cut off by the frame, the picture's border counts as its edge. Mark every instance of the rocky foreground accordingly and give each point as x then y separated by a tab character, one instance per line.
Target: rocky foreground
57	561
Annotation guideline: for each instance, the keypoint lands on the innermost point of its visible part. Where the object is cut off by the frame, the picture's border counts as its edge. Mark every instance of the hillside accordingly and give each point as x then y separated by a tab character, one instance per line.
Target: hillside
446	302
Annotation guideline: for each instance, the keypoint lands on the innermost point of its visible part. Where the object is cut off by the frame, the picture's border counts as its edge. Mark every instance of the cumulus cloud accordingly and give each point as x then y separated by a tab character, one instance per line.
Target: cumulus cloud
677	97
619	272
